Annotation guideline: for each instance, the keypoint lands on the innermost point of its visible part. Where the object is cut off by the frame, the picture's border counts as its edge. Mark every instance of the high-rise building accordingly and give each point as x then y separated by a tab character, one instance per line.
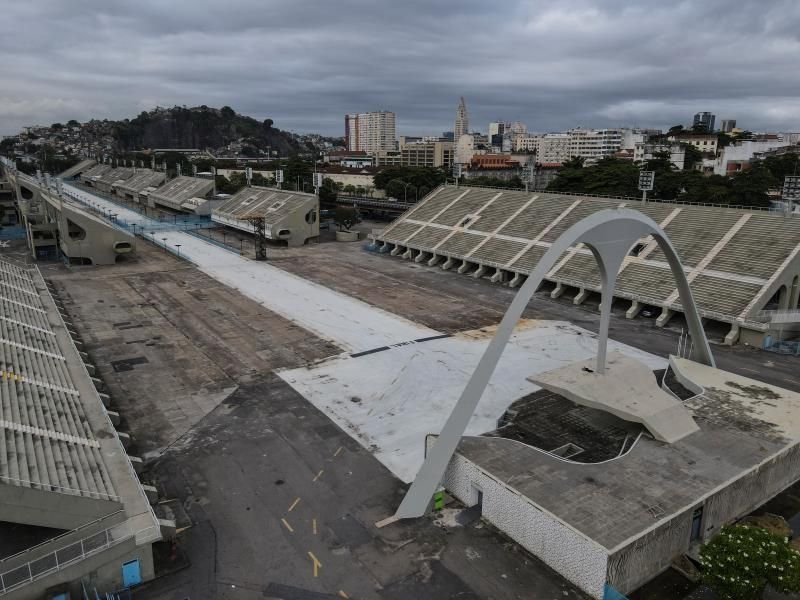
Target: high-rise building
462	121
370	131
496	131
728	125
594	143
705	120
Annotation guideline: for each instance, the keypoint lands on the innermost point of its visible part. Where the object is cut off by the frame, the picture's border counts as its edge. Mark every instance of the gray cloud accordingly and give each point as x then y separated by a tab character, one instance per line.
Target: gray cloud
551	65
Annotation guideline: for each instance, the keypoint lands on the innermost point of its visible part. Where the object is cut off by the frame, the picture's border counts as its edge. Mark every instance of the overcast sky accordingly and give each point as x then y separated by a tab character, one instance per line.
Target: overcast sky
552	65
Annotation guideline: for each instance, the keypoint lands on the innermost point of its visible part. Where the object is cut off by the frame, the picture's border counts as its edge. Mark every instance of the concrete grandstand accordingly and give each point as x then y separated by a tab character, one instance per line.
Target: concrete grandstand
144	180
63	465
738	262
289	216
105	181
186	194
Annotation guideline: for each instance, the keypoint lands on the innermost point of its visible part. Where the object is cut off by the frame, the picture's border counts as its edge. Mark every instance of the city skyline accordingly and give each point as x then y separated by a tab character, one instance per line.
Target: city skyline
580	63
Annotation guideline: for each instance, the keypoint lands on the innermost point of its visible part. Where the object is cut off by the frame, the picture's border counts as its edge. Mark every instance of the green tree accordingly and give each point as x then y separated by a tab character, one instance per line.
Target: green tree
346	217
328	191
741	561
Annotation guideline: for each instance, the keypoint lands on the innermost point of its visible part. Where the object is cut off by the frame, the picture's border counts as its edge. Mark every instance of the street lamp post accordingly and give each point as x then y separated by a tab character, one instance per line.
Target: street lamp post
178	246
165	243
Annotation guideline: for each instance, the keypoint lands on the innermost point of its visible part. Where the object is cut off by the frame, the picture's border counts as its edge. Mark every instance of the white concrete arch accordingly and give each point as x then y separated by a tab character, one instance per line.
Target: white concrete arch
609	234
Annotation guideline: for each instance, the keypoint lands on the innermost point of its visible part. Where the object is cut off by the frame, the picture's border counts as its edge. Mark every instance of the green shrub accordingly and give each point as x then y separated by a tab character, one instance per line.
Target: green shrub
740	562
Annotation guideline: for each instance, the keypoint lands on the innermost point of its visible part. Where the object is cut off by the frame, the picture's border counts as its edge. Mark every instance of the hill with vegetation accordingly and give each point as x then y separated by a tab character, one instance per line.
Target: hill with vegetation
199	127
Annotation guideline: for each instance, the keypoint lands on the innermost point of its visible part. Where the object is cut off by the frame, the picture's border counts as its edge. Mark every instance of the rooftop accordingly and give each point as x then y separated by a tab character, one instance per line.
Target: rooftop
743	423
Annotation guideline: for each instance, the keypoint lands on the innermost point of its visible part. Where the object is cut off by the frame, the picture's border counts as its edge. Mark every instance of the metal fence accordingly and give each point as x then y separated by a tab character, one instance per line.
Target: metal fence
72	553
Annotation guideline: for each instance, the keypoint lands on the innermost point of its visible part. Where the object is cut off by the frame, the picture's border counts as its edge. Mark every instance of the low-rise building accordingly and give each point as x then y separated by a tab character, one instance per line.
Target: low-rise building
704	142
644	151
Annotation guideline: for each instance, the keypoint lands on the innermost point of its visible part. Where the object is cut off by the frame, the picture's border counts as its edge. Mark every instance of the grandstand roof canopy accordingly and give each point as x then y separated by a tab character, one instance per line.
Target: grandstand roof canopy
141	180
95	171
734	258
270	203
115	175
178	190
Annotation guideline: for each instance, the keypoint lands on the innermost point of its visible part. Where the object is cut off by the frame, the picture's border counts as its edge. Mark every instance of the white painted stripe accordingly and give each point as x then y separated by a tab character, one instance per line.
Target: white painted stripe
28	325
32	349
13	287
6	299
49	433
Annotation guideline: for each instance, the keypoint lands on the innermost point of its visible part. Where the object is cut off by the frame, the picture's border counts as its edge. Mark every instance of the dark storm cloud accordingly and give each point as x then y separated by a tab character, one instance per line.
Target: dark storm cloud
552	65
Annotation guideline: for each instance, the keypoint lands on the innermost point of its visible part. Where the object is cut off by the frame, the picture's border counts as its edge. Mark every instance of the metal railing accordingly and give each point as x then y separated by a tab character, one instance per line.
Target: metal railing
72	553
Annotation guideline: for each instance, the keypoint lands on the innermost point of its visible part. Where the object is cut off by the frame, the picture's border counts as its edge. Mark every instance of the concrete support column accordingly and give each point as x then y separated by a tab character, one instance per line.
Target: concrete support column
448	264
783	298
664	317
396	250
499	276
464	267
558	291
408	254
733	335
434	260
384	248
794	297
479	272
517	280
421	257
634	310
580	297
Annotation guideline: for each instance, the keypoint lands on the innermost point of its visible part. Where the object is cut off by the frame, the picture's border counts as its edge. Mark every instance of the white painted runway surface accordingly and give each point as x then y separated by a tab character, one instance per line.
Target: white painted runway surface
391	398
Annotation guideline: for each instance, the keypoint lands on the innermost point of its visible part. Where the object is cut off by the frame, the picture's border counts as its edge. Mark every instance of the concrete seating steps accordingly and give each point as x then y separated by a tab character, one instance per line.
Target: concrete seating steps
537	217
583	210
428	237
11	268
7	278
648	282
429	209
723	295
469	204
498	251
581	267
461	243
747	253
695	231
400	232
528	261
28	336
496	213
35	461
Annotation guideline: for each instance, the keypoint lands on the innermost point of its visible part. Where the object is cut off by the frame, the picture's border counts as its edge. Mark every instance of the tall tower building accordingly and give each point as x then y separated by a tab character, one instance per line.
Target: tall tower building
370	131
462	120
705	120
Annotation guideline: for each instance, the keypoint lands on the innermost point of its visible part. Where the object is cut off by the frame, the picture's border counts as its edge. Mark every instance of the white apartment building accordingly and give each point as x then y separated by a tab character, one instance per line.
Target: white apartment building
549	147
370	132
737	156
643	151
705	142
594	143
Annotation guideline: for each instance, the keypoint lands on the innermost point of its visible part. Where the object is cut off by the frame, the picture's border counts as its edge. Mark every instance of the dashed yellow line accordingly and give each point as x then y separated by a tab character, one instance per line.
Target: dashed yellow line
296	501
315	562
318	475
338	450
314	526
286	524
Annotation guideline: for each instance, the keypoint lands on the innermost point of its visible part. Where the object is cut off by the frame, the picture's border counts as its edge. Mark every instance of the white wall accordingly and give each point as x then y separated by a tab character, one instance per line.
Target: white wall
566	551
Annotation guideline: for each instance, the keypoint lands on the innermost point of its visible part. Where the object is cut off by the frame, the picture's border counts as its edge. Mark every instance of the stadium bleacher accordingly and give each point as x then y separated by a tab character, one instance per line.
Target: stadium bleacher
287	215
735	259
174	193
139	182
62	464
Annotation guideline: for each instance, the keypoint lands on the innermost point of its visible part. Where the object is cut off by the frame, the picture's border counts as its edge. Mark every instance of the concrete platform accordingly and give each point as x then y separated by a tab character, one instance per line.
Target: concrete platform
628	389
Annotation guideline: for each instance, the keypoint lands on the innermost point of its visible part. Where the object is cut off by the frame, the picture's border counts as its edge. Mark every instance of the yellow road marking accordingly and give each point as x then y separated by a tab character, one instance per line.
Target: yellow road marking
296	500
315	562
317	476
339	449
342	594
182	529
314	526
286	523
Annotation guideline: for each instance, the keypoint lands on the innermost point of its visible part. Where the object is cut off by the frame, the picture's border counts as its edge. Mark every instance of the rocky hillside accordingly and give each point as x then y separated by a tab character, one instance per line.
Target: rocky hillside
199	127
